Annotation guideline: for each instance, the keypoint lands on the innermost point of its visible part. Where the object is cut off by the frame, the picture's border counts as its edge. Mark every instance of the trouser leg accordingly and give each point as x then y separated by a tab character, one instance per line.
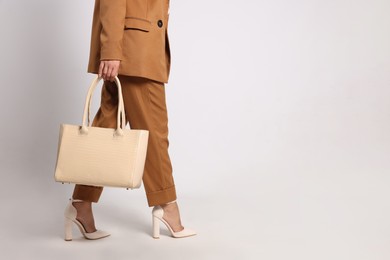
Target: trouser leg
106	116
145	108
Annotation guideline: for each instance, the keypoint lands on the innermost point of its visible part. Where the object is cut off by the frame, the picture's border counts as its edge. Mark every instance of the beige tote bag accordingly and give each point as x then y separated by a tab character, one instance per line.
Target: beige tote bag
101	156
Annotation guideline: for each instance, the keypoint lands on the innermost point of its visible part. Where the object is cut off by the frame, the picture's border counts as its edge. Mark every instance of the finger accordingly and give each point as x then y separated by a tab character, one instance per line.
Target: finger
105	70
114	73
115	70
109	73
101	66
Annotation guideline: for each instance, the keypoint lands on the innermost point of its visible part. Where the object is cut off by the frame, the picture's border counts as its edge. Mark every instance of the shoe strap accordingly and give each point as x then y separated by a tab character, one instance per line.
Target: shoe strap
76	200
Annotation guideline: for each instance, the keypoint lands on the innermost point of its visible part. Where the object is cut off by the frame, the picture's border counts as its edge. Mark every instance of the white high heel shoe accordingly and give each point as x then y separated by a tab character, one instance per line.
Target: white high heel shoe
70	216
157	214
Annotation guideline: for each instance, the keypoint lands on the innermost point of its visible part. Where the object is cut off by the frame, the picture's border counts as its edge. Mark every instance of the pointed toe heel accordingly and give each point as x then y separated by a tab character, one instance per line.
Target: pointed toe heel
70	218
157	216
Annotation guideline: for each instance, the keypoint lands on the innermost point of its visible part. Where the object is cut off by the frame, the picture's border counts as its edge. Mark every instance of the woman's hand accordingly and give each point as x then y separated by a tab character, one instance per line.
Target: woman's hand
108	69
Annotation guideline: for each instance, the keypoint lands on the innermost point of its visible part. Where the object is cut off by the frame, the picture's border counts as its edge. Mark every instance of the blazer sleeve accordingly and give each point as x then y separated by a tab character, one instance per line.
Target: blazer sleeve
112	17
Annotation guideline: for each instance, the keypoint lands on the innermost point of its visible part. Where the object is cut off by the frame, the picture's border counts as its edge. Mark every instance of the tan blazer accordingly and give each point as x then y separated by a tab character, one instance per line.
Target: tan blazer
135	32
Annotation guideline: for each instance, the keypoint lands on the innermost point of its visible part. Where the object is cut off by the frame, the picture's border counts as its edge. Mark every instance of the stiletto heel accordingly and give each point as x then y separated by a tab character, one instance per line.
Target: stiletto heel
158	214
156	227
68	229
70	217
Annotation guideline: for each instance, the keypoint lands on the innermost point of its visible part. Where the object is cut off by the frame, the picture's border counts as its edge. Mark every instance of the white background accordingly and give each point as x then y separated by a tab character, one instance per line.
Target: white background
279	118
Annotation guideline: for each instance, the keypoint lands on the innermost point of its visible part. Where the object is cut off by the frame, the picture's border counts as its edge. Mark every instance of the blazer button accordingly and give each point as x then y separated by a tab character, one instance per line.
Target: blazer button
160	23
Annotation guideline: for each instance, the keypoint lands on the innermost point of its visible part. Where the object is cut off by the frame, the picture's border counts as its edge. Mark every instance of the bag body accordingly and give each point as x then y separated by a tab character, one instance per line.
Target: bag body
98	156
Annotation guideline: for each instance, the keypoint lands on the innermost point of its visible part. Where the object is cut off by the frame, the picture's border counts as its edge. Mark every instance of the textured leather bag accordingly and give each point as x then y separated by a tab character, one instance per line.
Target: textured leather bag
100	156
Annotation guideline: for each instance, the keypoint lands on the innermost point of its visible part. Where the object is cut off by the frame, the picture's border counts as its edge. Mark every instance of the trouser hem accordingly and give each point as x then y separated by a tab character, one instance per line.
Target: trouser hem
87	192
161	197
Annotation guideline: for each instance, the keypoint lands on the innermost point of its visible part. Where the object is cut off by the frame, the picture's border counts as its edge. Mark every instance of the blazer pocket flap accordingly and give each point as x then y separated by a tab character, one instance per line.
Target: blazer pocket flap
138	24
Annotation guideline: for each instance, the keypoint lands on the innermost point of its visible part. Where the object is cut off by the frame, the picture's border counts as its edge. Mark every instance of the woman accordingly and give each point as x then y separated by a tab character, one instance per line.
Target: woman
129	39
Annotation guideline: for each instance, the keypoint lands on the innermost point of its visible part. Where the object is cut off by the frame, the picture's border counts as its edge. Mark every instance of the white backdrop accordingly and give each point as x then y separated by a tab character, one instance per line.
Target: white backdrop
279	120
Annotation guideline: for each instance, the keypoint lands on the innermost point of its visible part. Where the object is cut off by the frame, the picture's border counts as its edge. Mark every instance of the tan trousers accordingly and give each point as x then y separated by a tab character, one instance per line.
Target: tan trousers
145	108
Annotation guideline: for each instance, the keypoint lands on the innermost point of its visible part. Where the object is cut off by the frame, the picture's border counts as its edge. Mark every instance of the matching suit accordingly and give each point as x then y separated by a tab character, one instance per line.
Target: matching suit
135	32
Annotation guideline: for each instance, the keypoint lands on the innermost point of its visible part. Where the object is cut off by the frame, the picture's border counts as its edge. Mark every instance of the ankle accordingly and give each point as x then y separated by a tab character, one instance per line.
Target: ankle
83	208
82	204
169	205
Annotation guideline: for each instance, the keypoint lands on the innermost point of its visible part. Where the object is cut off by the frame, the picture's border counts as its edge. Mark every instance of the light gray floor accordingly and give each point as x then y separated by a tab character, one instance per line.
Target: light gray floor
279	214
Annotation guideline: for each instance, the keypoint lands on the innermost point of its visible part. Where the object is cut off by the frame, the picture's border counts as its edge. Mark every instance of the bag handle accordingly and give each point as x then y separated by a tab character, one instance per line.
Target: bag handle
87	106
